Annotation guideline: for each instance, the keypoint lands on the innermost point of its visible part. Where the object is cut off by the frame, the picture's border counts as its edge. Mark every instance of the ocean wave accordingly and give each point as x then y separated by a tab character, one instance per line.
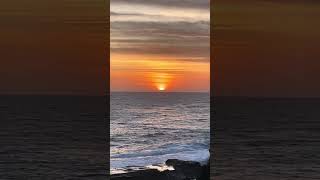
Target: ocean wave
201	156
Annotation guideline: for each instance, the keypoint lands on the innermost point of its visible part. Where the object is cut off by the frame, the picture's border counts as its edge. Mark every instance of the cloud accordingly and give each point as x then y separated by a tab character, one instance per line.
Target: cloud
144	17
175	28
161	38
199	4
169	29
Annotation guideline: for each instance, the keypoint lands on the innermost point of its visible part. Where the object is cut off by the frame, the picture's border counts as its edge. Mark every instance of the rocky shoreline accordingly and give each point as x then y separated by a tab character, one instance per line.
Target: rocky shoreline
183	170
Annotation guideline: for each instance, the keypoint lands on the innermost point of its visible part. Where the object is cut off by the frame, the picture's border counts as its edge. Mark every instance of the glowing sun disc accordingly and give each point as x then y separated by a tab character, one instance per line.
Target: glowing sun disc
161	88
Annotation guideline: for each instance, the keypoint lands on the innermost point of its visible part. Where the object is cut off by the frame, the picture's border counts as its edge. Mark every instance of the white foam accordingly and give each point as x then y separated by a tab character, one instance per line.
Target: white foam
161	167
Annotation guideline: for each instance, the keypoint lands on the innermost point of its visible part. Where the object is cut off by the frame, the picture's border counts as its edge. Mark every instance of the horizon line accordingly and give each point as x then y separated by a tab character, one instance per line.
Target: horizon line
104	95
160	91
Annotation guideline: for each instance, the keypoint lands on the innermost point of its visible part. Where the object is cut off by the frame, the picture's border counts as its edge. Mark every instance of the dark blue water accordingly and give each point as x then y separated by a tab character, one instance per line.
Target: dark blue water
268	139
53	137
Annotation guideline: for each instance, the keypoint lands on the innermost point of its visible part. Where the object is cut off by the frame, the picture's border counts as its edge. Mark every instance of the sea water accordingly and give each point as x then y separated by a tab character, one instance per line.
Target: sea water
149	128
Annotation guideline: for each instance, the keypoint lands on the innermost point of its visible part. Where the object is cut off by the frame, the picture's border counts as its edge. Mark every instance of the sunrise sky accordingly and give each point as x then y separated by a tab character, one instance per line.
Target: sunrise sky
160	45
261	47
266	48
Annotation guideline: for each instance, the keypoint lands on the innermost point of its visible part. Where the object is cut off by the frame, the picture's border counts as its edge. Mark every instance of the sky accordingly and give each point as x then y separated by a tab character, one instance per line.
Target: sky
160	45
53	47
266	48
260	47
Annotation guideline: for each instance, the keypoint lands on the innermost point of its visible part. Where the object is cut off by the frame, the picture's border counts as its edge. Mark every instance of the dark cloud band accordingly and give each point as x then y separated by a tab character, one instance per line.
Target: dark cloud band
198	4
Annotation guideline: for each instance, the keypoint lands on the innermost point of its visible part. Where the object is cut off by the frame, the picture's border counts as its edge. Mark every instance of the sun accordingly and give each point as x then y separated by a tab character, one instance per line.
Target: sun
161	88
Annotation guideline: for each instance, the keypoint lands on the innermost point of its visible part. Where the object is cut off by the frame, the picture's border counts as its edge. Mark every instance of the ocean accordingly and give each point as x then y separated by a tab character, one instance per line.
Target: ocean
65	137
53	137
150	128
266	138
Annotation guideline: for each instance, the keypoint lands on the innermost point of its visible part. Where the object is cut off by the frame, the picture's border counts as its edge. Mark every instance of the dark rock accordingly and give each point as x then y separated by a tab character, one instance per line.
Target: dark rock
184	170
147	174
181	164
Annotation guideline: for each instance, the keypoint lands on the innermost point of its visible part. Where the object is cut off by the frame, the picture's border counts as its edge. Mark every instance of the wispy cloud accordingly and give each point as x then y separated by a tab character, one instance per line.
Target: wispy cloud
175	28
201	4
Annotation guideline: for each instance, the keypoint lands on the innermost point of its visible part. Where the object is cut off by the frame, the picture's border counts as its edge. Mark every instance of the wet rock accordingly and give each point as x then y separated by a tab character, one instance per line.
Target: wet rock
184	170
147	174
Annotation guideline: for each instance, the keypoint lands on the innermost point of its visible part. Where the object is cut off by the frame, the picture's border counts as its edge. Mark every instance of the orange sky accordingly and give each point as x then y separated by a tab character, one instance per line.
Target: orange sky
159	46
147	73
